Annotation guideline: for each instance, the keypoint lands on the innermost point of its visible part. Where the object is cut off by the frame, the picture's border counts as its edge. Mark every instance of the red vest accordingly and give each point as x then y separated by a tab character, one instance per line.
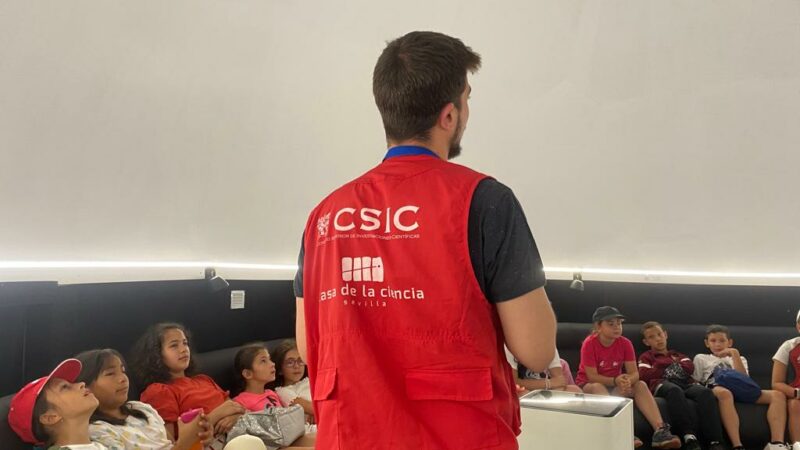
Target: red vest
404	350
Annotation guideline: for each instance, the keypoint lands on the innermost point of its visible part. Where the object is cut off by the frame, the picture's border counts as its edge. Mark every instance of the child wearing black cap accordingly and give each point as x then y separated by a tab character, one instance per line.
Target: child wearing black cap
608	367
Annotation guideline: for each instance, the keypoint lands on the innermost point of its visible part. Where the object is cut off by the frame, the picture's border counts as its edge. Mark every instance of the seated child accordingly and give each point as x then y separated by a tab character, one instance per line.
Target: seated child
557	377
121	424
668	373
719	342
54	411
789	353
604	355
291	379
253	370
163	365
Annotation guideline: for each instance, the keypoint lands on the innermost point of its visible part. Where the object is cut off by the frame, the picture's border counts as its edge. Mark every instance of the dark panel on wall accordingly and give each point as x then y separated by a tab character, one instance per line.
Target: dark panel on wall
23	305
42	323
73	318
678	303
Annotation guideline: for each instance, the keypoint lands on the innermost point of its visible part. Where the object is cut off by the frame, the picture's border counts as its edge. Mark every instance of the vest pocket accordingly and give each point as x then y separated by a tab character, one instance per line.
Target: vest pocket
326	382
455	407
327	409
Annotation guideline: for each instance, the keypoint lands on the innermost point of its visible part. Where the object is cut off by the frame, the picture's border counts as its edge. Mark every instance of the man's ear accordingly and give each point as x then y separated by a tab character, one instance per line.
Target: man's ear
730	342
448	117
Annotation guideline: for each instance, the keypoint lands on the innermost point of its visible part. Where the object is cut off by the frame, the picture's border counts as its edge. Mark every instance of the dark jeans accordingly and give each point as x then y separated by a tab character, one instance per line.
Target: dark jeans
678	407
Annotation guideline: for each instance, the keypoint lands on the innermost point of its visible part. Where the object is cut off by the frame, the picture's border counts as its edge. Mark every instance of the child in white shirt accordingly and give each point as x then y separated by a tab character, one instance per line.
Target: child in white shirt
723	354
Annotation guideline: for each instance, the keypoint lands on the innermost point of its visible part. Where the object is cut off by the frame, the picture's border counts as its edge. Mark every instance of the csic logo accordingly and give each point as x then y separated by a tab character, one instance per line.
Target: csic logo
322	224
370	219
362	268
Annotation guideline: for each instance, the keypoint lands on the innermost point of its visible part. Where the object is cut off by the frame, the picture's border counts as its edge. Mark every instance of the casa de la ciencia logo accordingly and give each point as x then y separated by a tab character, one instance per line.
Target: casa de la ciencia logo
364	284
362	268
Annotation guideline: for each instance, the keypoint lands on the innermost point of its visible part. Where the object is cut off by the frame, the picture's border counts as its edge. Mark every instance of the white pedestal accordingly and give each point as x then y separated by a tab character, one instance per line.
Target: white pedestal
556	420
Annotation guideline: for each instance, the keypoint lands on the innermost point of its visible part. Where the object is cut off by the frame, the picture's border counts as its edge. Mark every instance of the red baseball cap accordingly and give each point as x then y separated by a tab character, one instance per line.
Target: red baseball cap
20	416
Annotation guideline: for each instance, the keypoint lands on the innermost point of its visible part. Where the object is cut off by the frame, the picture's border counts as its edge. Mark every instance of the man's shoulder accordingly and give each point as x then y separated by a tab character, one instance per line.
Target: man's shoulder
490	189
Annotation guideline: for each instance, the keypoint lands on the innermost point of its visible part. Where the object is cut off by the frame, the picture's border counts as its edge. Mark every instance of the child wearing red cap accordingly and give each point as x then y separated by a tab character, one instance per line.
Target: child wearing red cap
54	411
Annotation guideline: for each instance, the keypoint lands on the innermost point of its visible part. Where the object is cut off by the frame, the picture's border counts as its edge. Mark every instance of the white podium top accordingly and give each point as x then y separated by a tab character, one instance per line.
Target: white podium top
568	402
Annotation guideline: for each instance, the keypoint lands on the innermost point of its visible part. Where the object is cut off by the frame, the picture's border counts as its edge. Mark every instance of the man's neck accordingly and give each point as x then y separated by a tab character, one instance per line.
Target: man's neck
438	148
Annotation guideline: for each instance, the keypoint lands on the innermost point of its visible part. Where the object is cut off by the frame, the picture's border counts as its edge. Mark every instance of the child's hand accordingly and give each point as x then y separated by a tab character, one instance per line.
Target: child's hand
732	352
308	407
196	430
228	408
558	382
225	424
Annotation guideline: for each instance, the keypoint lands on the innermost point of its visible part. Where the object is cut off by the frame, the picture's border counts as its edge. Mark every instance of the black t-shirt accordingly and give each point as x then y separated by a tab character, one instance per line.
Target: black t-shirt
504	255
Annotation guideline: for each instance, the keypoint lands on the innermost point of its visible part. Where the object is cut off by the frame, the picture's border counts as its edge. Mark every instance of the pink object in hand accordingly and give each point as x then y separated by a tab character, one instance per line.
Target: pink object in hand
189	416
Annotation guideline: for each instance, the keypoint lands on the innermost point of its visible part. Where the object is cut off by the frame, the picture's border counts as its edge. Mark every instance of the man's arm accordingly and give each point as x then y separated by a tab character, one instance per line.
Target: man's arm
529	325
300	328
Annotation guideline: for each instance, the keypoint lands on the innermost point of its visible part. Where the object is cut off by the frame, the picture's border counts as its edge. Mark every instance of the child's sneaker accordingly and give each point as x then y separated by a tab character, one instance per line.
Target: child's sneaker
778	446
718	446
637	442
796	446
692	444
662	438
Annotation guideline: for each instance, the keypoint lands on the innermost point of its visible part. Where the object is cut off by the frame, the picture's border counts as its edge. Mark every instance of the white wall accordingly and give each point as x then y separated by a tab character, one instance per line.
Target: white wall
644	135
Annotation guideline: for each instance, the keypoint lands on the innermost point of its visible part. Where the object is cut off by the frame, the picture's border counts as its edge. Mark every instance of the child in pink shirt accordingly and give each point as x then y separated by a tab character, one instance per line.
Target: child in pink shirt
608	367
254	369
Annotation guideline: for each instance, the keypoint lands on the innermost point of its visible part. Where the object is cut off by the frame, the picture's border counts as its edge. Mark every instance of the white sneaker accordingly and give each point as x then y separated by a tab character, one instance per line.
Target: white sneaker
776	447
796	446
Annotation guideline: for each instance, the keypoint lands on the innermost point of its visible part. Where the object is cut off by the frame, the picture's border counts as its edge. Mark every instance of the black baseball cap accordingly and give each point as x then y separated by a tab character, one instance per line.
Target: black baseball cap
606	313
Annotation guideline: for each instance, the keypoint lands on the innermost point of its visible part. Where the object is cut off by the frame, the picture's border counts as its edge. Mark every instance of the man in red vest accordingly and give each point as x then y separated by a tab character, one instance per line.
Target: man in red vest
413	277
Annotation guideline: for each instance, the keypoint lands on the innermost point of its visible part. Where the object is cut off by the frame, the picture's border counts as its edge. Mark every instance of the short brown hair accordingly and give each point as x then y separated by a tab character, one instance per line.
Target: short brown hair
718	329
651	324
415	77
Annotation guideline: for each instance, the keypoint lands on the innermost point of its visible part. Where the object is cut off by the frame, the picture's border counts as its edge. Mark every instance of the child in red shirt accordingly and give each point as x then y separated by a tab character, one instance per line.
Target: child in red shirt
162	362
605	354
789	355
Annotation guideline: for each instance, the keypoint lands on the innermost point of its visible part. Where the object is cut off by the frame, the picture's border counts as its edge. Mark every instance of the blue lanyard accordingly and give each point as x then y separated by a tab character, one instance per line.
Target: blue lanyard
408	150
